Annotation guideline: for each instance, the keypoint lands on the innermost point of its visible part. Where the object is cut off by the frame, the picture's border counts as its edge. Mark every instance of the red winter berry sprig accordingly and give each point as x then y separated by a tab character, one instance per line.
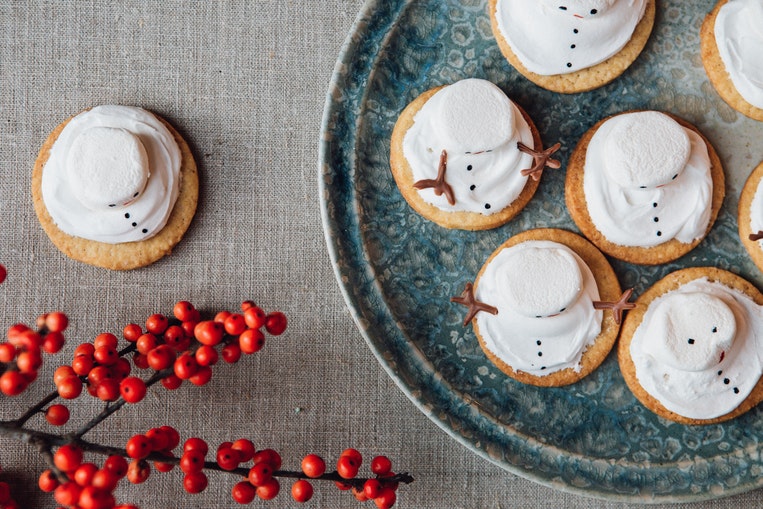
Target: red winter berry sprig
168	351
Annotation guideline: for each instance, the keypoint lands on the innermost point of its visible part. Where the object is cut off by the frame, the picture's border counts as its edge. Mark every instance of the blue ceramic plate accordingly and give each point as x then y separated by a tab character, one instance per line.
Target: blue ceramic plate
398	271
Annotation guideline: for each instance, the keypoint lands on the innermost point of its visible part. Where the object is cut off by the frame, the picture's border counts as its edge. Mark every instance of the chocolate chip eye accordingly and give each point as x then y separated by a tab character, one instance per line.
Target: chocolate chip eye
715	329
562	310
691	341
594	11
562	7
675	176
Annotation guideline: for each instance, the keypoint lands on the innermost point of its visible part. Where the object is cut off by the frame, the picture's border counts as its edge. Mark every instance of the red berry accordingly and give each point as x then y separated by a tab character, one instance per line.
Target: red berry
107	390
3	273
185	366
209	332
146	342
342	486
160	439
61	373
206	356
132	389
29	361
47	482
173	437
67	494
161	466
234	324
302	491
269	490
381	465
57	415
275	323
192	461
386	498
117	465
84	349
98	374
84	473
196	444
268	456
221	316
140	360
132	332
138	446
251	341
202	376
245	449
313	466
56	321
161	357
260	474
13	383
105	339
121	368
359	494
254	317
105	355
138	471
68	457
243	492
183	310
354	454
95	498
157	323
372	488
347	467
195	482
176	337
7	352
53	342
228	458
105	479
82	364
231	353
171	382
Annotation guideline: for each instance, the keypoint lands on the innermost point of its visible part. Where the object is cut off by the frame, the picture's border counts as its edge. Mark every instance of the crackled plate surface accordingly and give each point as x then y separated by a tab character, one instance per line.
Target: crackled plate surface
398	271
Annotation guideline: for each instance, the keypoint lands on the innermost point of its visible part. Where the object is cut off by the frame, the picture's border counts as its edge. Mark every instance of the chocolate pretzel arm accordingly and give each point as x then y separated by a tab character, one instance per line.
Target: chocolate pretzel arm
541	160
474	306
439	185
618	306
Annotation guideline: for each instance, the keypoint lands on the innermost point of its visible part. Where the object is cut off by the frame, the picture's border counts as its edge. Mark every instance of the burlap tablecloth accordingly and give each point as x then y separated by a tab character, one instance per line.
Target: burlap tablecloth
245	83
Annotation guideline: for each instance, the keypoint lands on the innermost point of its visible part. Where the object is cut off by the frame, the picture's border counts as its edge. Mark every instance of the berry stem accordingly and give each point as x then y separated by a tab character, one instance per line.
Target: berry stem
33	410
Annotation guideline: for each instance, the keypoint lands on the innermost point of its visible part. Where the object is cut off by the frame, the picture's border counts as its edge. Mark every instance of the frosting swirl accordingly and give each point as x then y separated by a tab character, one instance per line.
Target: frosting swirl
739	37
697	349
562	36
665	194
122	194
544	293
478	127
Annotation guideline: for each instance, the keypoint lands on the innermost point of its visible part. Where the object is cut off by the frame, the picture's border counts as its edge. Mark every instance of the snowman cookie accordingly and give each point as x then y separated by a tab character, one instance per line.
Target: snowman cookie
644	186
465	156
571	46
115	187
690	350
731	41
546	307
750	216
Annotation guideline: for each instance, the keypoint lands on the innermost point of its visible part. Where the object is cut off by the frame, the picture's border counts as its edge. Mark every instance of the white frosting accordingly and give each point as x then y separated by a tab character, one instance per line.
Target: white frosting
671	202
562	36
478	127
739	37
555	334
711	357
99	161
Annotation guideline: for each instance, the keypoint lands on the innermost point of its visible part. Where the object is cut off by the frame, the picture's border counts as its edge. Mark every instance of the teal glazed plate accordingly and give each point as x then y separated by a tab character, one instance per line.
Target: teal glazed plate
398	271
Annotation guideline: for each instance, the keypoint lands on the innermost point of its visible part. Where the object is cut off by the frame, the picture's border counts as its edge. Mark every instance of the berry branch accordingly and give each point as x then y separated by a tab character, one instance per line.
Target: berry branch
174	350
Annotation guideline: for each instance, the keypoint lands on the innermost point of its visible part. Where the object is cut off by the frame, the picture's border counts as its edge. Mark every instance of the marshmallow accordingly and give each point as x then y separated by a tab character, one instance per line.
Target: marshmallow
107	167
646	149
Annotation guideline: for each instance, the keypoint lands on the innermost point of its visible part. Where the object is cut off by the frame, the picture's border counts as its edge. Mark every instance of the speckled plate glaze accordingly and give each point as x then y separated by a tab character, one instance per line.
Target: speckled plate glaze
398	271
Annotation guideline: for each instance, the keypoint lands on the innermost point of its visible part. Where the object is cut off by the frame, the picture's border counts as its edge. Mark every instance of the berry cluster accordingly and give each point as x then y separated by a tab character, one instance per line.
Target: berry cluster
382	489
83	485
21	353
155	442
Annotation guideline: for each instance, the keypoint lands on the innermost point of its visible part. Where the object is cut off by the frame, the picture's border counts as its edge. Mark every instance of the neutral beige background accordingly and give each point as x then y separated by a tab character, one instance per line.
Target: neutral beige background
245	83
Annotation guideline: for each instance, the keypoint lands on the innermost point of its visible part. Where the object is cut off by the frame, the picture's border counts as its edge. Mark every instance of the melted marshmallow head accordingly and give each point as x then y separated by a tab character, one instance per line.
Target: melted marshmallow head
107	167
550	295
691	331
475	116
646	150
